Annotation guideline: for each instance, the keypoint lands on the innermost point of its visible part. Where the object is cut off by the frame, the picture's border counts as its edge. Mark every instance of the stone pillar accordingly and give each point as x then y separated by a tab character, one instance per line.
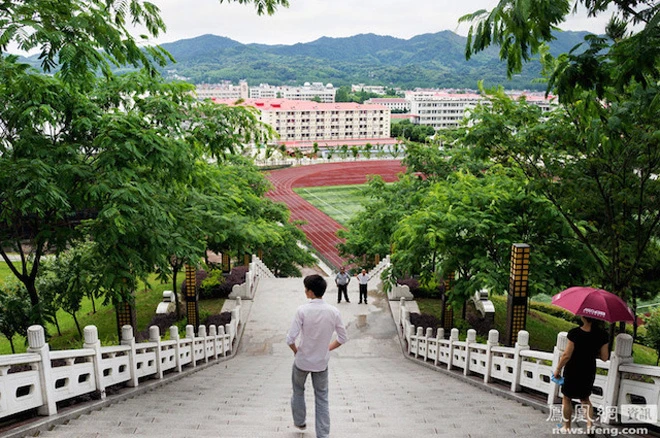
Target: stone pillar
37	344
517	298
192	306
452	338
471	339
439	336
190	334
447	316
221	335
622	355
560	346
154	336
174	336
493	341
201	332
213	333
128	339
521	344
92	341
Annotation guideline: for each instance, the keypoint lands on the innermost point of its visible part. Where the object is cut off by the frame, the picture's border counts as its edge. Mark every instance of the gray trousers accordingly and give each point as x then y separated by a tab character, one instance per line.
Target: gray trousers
298	408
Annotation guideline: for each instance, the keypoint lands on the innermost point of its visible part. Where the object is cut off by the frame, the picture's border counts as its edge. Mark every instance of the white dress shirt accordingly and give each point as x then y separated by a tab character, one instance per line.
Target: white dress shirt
315	322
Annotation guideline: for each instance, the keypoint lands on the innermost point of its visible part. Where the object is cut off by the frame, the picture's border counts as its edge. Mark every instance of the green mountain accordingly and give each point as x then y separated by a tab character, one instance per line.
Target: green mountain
429	60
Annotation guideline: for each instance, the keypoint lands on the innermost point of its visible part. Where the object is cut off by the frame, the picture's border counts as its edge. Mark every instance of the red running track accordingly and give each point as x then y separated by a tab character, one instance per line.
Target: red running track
319	228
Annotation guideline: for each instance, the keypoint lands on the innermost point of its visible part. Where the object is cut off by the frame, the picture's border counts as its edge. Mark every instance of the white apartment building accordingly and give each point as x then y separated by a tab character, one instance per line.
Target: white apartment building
393	103
444	110
325	93
223	90
300	123
441	110
376	89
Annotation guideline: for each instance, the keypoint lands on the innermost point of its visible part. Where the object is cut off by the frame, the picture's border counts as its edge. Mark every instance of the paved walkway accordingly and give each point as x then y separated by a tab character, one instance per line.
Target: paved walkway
374	390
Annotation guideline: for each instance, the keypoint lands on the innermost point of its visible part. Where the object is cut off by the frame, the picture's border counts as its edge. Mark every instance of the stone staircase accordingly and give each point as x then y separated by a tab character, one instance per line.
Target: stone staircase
374	390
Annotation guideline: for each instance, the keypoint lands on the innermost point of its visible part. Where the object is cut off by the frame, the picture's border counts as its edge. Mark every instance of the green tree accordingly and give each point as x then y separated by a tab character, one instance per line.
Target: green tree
14	313
652	324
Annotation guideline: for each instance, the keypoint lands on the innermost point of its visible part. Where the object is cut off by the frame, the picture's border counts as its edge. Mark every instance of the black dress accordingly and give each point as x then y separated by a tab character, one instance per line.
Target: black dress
580	371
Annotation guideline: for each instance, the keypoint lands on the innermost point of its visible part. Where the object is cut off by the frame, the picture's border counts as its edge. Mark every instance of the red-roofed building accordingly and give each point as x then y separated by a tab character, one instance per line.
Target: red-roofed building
300	123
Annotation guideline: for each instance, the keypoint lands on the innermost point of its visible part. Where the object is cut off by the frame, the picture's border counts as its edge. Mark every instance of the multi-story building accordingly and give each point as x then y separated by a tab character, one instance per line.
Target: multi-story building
300	124
393	103
441	110
444	110
376	89
223	90
324	93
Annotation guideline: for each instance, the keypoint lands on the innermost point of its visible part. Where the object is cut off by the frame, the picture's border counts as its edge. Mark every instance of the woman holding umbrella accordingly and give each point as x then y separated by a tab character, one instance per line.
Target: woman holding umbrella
586	343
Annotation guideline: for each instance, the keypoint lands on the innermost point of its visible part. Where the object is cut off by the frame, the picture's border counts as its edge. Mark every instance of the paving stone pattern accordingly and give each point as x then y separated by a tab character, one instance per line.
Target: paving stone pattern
374	390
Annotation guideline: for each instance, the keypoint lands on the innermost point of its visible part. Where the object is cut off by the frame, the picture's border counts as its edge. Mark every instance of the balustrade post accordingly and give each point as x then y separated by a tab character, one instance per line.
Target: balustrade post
427	338
418	336
521	344
452	338
229	331
174	336
493	341
91	334
221	336
154	336
201	330
439	336
560	346
622	355
471	339
128	339
190	334
213	333
37	344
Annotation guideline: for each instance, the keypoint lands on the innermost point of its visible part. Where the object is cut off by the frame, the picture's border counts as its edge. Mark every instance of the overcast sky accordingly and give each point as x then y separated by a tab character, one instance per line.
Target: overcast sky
308	20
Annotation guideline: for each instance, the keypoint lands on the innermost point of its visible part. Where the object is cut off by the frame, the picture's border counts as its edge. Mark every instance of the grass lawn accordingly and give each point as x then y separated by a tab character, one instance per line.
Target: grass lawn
339	202
543	328
104	319
4	272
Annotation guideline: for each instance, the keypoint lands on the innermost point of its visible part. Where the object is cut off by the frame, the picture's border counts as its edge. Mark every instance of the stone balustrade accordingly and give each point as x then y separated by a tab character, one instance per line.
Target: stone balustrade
618	382
41	378
256	270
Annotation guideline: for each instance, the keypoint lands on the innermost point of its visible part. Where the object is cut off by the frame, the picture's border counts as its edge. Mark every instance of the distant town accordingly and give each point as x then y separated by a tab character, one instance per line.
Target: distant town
308	117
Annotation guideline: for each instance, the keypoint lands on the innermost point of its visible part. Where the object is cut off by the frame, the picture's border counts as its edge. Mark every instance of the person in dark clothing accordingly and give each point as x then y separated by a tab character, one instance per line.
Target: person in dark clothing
585	344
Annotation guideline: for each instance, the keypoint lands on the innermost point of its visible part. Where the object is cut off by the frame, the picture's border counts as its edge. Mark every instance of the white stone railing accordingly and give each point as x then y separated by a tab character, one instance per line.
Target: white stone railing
40	378
256	270
619	381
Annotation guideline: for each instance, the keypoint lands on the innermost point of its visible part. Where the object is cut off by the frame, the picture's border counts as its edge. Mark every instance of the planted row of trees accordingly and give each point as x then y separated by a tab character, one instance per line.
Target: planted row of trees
118	175
580	183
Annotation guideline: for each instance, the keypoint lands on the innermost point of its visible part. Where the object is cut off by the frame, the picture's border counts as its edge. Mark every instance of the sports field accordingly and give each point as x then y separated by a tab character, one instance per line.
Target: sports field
339	202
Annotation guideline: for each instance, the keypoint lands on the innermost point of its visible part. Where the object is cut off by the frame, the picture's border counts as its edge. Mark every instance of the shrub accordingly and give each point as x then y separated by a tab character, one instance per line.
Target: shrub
425	321
218	319
554	311
211	284
420	291
162	320
236	276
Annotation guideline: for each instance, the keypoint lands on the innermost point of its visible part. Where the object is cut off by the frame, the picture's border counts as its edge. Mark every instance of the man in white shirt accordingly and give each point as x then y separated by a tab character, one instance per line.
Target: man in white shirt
315	323
363	279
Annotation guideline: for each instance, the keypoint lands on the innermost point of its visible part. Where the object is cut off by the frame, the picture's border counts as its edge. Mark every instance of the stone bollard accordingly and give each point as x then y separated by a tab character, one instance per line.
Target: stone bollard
190	334
622	355
521	344
493	341
453	337
92	342
128	339
201	332
154	336
37	344
213	333
471	339
174	336
361	320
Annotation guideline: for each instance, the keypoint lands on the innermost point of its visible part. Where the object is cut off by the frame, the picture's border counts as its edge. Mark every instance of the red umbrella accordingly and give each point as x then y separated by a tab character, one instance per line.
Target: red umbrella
594	303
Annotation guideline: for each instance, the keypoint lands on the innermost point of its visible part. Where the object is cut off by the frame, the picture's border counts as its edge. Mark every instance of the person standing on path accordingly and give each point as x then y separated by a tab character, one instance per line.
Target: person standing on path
363	279
341	280
315	323
585	344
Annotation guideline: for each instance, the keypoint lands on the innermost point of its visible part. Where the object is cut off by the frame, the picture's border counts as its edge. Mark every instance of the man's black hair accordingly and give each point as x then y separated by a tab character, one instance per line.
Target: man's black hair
316	284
